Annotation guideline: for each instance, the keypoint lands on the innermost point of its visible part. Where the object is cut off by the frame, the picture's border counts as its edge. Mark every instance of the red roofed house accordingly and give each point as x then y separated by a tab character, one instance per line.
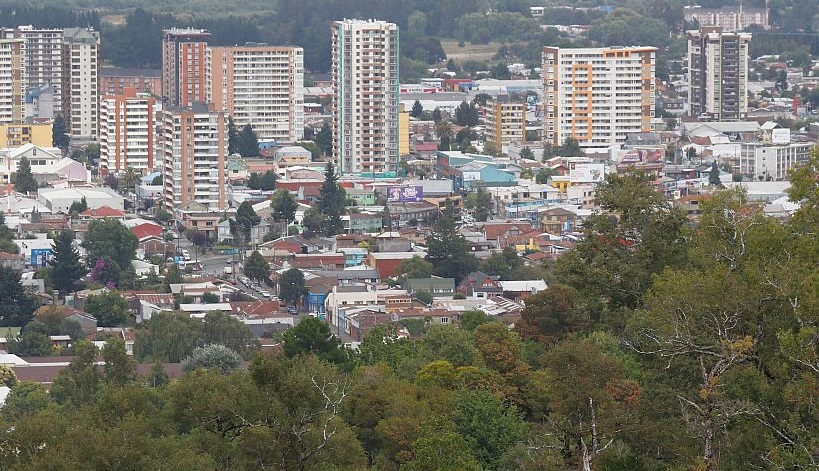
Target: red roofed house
151	240
101	213
500	233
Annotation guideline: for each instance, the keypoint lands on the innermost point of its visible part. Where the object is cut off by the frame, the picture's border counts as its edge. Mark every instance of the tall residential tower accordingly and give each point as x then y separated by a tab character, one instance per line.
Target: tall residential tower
597	95
718	74
365	97
80	89
183	66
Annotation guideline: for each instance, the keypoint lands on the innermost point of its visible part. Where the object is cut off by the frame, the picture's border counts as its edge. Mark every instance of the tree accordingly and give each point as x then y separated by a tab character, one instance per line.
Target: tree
436	115
424	297
417	109
713	175
324	139
291	286
248	145
66	267
7	376
313	221
543	175
209	298
312	335
527	154
213	357
31	343
332	202
246	218
108	238
25	181
157	181
444	131
111	181
441	448
466	114
569	148
264	182
488	426
129	179
17	305
256	267
25	399
551	315
167	337
78	383
483	205
71	328
471	319
120	368
109	308
223	329
78	206
415	267
448	250
284	206
59	137
233	137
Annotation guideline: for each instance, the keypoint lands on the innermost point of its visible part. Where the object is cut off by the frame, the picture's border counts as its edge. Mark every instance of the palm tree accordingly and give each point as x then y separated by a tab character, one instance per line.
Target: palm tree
445	132
130	179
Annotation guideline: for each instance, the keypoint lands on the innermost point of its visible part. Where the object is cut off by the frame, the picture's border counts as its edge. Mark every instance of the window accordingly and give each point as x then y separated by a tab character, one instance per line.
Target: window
445	320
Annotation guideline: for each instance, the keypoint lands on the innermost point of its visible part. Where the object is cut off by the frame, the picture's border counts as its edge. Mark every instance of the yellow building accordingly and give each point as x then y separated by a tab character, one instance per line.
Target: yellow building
16	135
403	132
506	121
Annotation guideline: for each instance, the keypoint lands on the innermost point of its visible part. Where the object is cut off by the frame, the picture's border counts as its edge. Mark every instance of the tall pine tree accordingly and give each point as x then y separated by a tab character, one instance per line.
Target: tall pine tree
25	179
233	137
66	267
333	202
248	142
59	137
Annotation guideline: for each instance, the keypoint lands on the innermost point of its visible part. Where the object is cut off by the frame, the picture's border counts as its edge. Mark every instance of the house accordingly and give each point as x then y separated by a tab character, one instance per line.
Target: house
86	321
480	285
341	298
387	262
103	212
433	316
196	216
323	261
499	233
361	321
559	220
520	290
434	286
151	240
13	261
364	223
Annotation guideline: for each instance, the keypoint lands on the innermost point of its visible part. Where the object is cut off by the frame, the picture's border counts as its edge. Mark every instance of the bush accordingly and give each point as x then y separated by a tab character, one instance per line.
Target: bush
212	357
7	376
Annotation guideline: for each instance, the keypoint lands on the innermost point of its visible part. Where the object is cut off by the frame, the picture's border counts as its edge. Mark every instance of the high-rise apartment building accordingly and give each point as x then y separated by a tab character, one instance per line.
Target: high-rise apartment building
183	66
43	60
127	132
191	142
12	81
365	96
718	74
80	92
259	85
505	121
597	95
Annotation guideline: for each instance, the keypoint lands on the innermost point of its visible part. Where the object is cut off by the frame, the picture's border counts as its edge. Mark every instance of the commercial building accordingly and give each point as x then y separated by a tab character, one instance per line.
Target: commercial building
16	135
127	132
718	74
505	121
192	145
768	161
365	97
43	60
183	66
259	85
79	82
597	95
12	80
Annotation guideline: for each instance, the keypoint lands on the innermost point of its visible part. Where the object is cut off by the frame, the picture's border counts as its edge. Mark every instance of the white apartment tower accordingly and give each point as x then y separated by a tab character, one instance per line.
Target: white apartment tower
191	143
597	95
259	85
43	59
365	97
12	81
127	132
80	88
718	74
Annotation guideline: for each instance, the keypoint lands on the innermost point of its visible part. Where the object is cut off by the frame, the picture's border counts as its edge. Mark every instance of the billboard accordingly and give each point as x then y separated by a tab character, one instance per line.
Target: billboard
781	136
586	173
40	257
405	194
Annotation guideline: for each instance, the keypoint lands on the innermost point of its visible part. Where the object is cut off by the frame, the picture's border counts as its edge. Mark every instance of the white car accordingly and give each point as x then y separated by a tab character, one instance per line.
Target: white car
265	293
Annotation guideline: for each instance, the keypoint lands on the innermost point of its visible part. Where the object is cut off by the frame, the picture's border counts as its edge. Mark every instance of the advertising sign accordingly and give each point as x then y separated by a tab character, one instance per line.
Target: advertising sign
587	173
781	136
39	257
405	194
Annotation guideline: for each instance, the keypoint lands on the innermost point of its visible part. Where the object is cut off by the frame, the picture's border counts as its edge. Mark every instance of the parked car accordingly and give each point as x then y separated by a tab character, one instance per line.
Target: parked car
265	293
292	310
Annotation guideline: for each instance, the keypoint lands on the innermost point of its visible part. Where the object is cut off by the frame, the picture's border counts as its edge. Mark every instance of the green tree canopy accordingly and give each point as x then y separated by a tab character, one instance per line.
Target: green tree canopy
312	335
248	144
109	308
25	182
66	267
332	202
256	267
291	286
109	238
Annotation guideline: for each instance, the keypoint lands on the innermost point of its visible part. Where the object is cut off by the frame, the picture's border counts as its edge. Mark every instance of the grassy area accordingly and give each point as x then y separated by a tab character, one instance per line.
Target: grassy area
477	52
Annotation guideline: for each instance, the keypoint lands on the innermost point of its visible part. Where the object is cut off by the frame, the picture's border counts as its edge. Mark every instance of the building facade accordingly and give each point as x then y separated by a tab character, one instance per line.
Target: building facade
505	121
80	91
732	18
183	66
16	135
365	97
259	85
127	132
192	144
12	81
114	81
43	59
597	95
766	161
718	74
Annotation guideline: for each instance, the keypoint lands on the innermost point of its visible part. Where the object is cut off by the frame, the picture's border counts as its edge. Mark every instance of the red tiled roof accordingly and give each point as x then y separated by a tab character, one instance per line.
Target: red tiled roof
257	309
494	230
146	230
10	256
103	212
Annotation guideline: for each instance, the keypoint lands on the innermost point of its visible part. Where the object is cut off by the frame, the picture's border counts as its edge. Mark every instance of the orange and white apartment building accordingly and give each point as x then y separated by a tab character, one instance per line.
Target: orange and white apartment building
183	66
597	95
259	85
126	133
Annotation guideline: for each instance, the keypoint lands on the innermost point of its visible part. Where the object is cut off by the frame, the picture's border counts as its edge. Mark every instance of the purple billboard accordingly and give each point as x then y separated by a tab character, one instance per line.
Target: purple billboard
405	194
